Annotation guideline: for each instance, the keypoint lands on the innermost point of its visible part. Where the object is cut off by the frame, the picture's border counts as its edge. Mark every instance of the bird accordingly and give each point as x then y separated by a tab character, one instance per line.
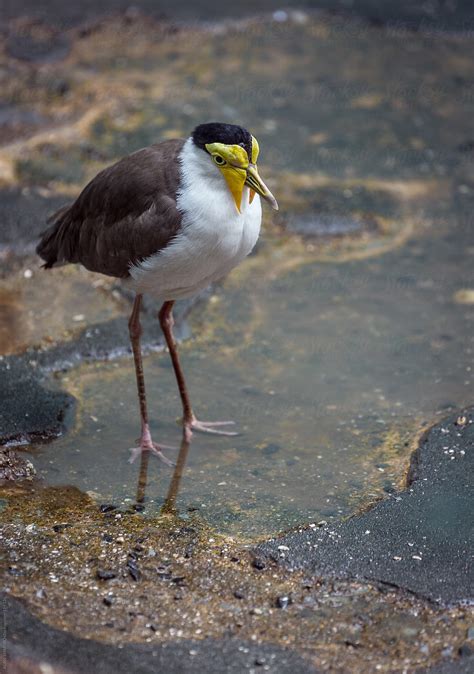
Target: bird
168	219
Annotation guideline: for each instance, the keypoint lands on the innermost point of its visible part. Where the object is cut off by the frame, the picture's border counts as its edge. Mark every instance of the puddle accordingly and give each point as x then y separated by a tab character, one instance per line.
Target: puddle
329	371
329	364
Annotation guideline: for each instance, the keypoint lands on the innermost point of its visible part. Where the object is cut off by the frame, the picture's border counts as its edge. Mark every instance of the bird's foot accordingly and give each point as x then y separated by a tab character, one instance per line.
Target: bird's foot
147	445
194	424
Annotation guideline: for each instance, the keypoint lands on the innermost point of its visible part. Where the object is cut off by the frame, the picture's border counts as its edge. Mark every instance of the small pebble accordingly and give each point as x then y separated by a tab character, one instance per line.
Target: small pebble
14	571
104	574
464	296
280	16
258	563
60	527
107	507
133	569
283	601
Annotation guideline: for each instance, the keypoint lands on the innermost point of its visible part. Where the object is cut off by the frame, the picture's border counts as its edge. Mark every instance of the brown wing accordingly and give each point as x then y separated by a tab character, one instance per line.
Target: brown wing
125	214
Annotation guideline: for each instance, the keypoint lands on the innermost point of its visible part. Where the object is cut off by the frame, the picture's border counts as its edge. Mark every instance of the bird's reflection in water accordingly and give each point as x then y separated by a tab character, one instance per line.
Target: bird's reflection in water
169	505
142	478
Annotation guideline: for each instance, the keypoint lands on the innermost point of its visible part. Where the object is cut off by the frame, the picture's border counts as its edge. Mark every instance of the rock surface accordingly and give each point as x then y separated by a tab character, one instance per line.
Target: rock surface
27	639
29	412
417	540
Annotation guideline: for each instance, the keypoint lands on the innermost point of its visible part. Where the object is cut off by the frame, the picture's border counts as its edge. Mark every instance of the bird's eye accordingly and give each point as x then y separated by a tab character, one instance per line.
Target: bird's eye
220	161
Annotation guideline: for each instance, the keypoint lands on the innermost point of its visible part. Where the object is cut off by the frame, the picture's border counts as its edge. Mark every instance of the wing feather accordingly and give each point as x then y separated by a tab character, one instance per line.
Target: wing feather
125	214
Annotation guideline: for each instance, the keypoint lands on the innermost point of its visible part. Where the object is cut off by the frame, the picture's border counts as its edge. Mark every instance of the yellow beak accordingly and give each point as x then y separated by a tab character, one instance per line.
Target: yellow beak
237	177
255	183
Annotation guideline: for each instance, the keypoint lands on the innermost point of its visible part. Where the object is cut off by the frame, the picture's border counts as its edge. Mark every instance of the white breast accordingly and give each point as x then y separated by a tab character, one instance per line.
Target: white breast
214	237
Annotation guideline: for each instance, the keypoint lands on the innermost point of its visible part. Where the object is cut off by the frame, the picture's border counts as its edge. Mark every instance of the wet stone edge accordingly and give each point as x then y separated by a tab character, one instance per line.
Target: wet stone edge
31	410
417	540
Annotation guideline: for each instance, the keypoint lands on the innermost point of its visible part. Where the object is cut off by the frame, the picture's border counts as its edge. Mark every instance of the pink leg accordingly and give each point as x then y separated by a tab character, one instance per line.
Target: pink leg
146	442
189	420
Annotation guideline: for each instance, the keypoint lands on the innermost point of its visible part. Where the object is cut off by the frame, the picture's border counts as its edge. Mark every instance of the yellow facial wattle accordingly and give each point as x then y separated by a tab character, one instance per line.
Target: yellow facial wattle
238	171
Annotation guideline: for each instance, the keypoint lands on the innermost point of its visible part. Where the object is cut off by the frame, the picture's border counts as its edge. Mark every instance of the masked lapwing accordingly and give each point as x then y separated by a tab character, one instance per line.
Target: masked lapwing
169	219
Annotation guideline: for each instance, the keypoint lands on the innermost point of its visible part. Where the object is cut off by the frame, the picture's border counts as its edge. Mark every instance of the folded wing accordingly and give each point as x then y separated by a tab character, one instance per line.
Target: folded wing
125	214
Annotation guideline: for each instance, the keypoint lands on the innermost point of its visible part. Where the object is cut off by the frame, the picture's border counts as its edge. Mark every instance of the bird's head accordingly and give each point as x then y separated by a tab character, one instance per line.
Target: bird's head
234	152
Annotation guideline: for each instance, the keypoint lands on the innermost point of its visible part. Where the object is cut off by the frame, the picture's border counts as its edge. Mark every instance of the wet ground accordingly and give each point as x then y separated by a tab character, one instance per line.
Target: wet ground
345	336
358	396
418	555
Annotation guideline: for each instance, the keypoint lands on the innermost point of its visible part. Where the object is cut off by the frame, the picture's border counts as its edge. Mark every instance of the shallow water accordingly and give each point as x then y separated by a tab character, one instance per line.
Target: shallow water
330	355
329	370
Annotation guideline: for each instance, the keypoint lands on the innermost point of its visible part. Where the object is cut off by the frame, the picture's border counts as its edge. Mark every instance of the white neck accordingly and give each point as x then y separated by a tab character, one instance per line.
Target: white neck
200	175
214	237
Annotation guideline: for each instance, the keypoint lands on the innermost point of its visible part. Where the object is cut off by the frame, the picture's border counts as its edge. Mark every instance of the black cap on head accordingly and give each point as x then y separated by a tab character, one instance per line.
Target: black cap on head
218	132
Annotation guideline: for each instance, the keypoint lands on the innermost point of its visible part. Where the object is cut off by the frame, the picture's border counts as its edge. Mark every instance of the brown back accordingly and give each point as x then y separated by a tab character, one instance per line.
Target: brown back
125	214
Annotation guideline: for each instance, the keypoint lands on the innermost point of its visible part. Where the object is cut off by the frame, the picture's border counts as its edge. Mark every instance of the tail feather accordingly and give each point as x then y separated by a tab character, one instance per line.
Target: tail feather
49	247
